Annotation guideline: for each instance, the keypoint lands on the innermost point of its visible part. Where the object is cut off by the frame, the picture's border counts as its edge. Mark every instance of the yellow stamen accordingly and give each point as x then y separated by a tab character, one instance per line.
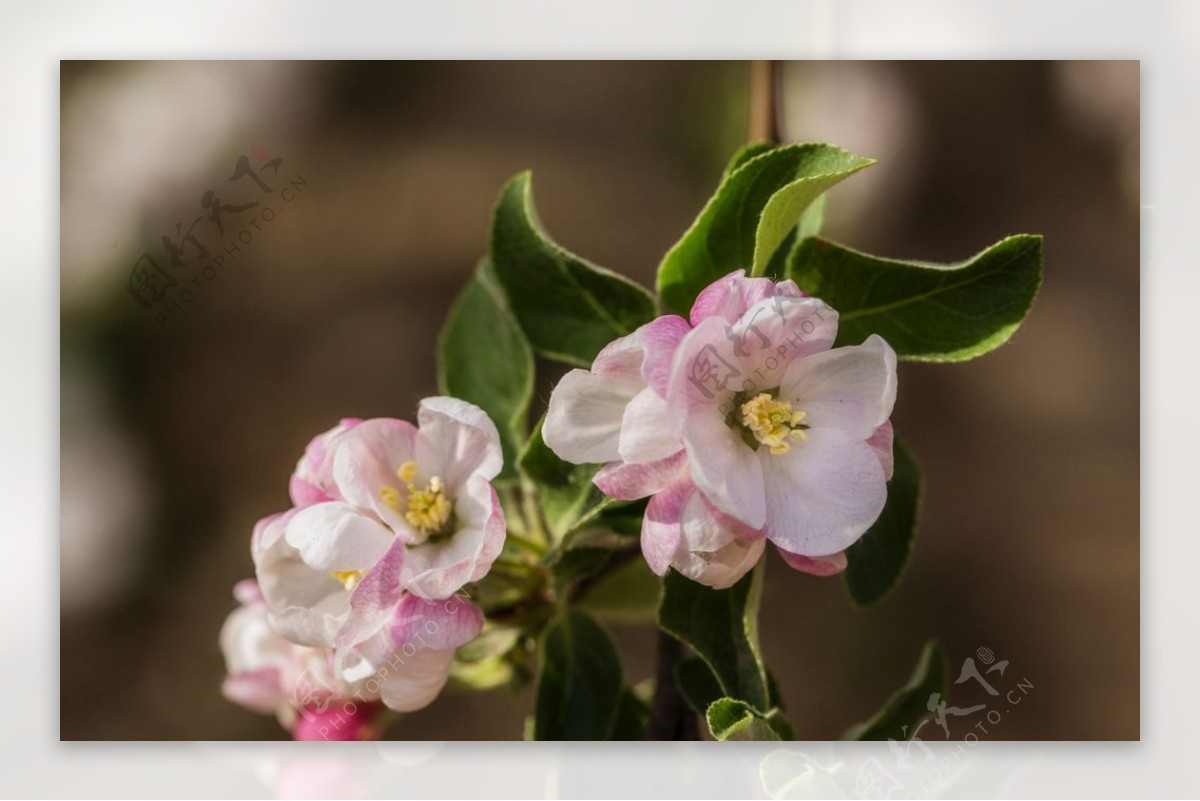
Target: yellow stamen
773	422
348	578
426	509
407	472
391	497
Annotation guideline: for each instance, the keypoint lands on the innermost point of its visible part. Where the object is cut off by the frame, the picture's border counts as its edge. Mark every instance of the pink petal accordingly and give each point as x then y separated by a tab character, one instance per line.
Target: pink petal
365	460
440	625
815	565
660	339
725	469
729	297
661	525
256	690
247	592
312	480
881	441
628	482
374	598
708	552
342	720
621	362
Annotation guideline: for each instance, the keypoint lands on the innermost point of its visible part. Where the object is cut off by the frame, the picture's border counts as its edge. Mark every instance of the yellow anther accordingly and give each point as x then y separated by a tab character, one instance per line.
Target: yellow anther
407	472
773	422
428	509
390	496
348	578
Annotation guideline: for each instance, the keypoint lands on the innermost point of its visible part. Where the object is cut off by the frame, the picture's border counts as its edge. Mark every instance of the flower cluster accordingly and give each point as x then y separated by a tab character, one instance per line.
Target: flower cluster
364	573
743	425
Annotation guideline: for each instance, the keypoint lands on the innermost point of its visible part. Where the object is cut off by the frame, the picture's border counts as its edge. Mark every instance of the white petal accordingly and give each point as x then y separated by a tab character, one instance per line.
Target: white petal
583	423
647	434
457	440
851	388
337	536
711	554
824	493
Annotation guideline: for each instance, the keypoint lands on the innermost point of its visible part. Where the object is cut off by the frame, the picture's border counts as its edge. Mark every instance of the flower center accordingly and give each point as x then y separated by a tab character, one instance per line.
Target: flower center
773	422
427	509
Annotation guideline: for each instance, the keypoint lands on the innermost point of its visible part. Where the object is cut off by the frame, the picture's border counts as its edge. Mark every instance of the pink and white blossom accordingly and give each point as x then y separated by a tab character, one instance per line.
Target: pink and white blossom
743	425
268	674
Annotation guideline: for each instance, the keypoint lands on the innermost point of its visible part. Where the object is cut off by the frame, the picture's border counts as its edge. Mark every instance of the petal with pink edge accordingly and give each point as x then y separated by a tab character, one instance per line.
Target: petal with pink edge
815	565
628	482
337	536
851	388
365	461
583	422
824	493
661	339
646	431
661	525
881	441
457	440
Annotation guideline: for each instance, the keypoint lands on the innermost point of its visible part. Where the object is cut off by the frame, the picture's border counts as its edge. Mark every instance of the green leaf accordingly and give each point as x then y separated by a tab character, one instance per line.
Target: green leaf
730	719
579	686
568	309
898	718
565	490
744	154
721	627
633	715
875	563
752	212
629	593
483	358
926	312
697	684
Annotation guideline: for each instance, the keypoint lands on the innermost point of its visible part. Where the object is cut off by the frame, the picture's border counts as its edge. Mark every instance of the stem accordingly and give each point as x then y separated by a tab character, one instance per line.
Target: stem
670	716
764	101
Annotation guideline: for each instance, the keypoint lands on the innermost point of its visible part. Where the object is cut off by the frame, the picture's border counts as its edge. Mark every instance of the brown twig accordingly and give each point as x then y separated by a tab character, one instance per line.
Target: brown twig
764	101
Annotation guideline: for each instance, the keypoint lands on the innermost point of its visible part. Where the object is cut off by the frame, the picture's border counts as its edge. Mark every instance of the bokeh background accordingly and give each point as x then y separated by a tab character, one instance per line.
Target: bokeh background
177	436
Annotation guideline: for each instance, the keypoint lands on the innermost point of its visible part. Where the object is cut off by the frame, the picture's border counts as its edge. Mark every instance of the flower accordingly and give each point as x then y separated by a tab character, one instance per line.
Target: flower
271	675
407	509
742	424
390	521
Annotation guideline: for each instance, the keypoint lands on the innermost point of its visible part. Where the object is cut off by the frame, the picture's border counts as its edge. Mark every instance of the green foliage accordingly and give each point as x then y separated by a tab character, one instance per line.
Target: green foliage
756	206
579	686
875	563
568	309
483	358
564	490
633	715
926	312
697	684
721	627
730	719
898	718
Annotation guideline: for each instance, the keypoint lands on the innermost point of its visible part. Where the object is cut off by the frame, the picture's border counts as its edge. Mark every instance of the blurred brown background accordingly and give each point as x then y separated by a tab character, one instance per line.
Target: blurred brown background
176	438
